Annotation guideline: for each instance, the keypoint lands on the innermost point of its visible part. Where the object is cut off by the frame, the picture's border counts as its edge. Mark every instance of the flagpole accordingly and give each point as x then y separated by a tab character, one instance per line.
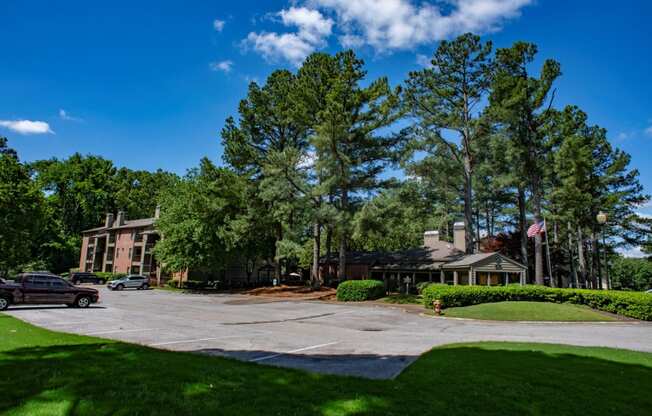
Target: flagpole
545	227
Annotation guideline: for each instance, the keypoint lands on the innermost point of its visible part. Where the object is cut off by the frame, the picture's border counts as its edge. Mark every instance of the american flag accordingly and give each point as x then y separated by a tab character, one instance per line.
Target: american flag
536	228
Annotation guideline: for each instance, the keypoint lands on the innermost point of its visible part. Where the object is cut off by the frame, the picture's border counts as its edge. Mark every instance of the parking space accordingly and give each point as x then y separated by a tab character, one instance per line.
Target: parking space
369	341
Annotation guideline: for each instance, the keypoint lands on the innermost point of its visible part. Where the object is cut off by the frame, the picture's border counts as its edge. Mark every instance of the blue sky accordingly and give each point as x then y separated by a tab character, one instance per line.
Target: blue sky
149	84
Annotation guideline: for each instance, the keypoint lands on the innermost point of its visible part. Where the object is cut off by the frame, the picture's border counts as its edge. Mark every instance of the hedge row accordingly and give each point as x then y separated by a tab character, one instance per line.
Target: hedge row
110	276
359	290
632	304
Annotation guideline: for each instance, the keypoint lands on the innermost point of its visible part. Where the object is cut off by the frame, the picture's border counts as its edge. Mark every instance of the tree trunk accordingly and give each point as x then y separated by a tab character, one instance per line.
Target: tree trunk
522	222
329	250
580	256
316	277
468	208
571	259
341	269
279	237
477	230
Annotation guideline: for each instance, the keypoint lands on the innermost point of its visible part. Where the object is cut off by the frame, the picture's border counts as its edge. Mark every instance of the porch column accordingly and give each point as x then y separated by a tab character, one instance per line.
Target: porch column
455	278
506	278
471	276
488	279
442	277
522	280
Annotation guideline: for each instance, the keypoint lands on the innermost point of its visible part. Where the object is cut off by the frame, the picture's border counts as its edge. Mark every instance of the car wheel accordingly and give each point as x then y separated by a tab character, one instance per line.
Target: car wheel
102	281
83	302
4	303
145	286
120	287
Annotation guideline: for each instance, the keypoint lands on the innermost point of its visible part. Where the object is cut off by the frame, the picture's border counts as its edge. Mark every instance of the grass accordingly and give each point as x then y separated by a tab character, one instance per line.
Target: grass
402	299
528	311
48	373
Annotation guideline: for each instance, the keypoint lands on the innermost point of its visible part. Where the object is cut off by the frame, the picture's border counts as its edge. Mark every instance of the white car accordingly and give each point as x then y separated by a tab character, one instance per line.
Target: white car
132	281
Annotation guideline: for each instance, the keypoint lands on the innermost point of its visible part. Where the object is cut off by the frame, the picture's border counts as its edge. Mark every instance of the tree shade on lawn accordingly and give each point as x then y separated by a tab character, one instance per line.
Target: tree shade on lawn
52	373
528	311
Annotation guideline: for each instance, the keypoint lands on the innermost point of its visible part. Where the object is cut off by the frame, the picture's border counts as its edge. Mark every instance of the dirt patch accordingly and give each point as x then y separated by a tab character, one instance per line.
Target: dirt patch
293	292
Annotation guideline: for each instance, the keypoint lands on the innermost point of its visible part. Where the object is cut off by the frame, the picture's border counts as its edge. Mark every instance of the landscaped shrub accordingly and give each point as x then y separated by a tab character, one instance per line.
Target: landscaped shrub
194	284
359	290
422	285
633	304
110	276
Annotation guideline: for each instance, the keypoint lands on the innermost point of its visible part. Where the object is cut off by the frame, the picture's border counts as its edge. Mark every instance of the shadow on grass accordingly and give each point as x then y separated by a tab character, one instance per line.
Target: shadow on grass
491	378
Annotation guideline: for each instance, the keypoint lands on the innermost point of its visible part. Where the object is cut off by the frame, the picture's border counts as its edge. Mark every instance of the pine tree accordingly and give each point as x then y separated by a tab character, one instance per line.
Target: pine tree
448	96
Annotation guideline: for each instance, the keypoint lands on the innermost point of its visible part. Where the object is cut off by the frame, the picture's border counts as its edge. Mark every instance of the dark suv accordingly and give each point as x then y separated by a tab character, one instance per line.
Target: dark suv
45	288
86	277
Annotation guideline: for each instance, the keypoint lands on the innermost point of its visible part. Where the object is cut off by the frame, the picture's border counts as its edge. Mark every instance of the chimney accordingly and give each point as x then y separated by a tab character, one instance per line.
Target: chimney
430	239
459	234
121	218
157	212
109	220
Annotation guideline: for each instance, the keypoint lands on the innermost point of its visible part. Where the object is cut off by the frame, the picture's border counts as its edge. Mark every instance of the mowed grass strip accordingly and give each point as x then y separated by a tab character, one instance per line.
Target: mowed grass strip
529	311
47	373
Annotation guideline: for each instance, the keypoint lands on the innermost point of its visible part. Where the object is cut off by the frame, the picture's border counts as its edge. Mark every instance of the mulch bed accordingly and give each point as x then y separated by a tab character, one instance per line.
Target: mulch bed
292	292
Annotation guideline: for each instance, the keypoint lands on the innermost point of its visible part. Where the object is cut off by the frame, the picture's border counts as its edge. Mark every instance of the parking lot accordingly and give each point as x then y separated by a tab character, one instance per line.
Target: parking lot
351	339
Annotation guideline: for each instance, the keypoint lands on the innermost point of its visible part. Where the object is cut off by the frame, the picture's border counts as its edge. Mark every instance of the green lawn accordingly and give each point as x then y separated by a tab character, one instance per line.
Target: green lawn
402	299
528	311
46	373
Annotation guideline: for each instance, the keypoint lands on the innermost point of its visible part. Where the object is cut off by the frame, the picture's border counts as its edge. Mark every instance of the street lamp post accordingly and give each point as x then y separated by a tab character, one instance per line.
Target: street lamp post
602	220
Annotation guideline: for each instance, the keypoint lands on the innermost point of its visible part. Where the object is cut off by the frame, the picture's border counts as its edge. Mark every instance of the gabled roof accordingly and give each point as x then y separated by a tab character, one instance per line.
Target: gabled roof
474	259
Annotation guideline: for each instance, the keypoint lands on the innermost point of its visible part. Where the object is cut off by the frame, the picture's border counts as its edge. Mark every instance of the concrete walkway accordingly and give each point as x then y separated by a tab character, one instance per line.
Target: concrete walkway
369	341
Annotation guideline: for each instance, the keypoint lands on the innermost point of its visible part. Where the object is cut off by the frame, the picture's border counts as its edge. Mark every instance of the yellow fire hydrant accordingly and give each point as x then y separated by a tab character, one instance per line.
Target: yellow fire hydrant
437	307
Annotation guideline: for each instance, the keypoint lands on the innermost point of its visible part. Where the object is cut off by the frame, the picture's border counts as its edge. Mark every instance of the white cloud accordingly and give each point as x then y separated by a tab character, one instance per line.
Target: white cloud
63	115
635	252
648	131
27	126
224	66
403	24
307	160
218	25
622	136
424	61
312	30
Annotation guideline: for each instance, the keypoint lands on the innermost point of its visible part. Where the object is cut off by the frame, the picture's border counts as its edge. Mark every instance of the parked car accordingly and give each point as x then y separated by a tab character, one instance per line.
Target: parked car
45	288
649	291
86	277
132	281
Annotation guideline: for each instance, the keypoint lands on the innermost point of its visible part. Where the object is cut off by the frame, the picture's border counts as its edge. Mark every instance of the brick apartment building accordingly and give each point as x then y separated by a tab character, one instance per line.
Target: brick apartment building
125	246
120	246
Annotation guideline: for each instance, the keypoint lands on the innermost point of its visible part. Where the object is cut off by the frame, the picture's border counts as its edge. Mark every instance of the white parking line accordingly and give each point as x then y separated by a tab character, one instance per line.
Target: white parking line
189	341
122	330
312	347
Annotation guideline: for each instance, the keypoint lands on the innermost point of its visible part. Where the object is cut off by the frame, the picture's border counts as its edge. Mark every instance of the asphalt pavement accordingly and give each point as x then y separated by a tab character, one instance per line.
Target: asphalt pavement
360	340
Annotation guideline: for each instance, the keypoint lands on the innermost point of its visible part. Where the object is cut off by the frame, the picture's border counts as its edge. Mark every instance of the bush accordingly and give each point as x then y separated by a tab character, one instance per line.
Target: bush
422	285
110	276
195	284
632	304
359	290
